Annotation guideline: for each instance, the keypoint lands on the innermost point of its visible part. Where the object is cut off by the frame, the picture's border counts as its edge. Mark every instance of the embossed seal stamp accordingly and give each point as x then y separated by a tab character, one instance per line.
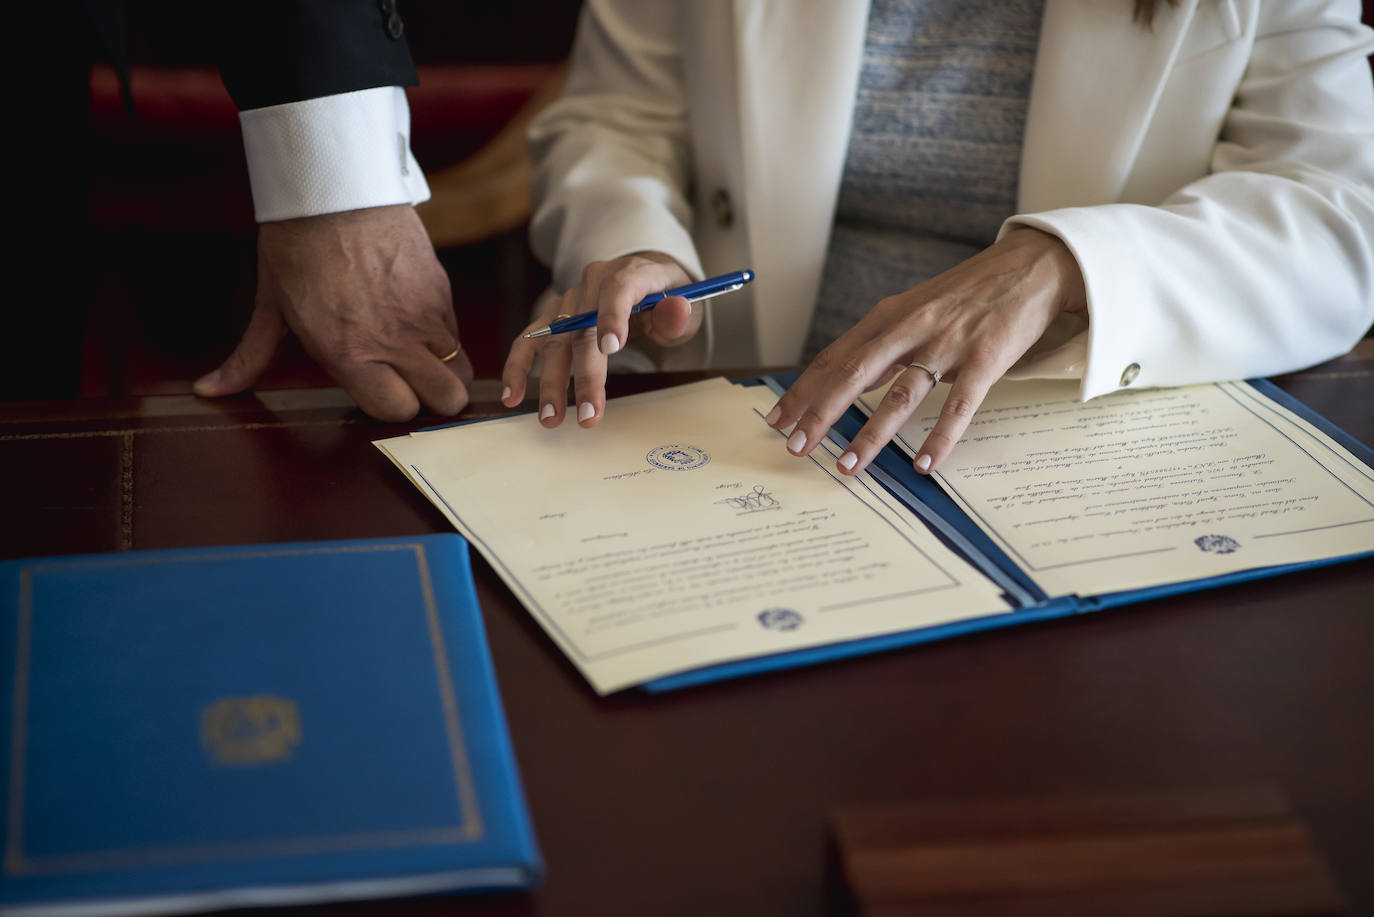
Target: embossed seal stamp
248	731
677	457
780	619
1217	544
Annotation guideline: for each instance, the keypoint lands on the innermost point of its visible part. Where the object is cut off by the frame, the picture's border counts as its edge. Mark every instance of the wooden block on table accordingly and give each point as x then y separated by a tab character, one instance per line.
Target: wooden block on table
1233	852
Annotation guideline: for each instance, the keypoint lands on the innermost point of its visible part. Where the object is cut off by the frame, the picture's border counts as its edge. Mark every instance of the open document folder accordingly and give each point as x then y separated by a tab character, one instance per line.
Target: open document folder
678	541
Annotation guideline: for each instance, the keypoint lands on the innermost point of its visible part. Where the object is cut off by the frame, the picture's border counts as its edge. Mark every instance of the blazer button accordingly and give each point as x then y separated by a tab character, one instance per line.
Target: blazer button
723	210
1129	373
391	20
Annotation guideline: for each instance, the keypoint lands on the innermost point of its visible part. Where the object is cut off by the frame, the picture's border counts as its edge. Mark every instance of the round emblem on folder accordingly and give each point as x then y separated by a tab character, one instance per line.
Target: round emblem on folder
250	730
677	457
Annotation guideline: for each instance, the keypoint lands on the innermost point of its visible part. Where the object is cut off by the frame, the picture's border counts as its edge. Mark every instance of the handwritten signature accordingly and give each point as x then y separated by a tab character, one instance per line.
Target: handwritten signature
752	501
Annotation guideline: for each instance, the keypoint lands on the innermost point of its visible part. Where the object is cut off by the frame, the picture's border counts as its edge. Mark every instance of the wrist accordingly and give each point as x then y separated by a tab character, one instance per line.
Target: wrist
1056	263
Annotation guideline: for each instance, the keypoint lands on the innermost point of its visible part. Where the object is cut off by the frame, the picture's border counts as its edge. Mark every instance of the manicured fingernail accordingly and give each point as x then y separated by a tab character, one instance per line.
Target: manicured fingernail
609	343
546	412
848	461
773	415
797	441
923	462
505	393
585	411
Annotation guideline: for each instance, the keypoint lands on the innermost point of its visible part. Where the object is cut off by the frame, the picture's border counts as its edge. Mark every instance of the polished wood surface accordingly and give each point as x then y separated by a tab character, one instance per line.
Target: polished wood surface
716	800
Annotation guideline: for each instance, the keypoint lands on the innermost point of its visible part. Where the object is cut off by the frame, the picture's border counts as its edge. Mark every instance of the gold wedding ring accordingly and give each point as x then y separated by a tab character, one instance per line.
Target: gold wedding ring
562	315
934	373
457	350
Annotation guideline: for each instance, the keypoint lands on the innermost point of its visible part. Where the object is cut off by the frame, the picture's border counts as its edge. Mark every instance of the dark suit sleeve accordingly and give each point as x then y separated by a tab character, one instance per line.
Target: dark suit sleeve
277	51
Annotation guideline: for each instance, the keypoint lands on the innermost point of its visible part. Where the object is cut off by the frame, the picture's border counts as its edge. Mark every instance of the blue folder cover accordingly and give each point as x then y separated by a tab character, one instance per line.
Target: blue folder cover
924	497
195	729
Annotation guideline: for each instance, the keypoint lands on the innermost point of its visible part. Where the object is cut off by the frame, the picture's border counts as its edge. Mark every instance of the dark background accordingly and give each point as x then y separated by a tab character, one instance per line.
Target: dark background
173	263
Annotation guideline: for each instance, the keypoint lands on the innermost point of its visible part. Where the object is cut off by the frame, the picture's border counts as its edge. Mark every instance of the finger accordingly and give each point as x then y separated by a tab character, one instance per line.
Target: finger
461	367
252	355
672	321
378	389
963	400
553	375
818	373
891	373
910	388
553	380
619	292
589	377
518	362
438	387
828	387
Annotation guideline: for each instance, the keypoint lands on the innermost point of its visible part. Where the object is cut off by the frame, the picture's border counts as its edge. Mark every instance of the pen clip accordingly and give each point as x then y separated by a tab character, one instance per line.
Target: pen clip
721	292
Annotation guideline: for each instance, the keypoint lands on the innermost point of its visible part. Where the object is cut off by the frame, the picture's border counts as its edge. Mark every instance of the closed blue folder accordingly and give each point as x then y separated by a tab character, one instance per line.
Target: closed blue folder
195	729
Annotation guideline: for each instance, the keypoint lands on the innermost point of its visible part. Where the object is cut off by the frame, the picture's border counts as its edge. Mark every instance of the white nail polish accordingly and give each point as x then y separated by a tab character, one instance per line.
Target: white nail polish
585	411
505	393
546	412
848	461
923	462
797	441
773	415
609	343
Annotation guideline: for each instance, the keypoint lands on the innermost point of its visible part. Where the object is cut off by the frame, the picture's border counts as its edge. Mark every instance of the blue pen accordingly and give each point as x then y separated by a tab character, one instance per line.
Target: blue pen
693	292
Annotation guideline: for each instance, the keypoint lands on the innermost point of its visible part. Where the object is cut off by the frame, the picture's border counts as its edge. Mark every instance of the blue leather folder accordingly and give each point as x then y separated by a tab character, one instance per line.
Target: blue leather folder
205	728
924	497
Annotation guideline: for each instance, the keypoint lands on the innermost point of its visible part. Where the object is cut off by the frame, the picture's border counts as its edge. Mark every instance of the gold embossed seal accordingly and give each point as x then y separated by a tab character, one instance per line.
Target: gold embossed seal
248	731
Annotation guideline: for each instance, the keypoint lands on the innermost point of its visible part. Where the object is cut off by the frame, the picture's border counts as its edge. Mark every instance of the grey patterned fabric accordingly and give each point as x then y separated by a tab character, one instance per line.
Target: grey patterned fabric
934	150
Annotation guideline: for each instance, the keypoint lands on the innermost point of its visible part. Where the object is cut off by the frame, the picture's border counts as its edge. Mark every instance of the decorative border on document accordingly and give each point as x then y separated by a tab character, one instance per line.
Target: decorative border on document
1257	402
468	830
582	656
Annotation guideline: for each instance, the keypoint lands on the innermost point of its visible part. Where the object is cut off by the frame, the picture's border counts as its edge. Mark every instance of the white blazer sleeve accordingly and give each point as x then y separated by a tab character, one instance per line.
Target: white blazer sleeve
1266	264
612	156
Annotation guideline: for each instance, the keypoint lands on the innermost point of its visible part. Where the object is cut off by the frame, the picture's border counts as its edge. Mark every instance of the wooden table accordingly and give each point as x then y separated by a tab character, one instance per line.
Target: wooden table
714	800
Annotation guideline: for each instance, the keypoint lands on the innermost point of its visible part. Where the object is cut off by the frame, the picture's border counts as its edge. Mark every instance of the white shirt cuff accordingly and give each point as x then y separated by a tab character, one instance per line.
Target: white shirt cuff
334	153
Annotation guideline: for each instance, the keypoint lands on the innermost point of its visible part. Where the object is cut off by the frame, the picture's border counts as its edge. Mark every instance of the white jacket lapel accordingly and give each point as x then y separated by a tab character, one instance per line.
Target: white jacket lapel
1098	76
798	75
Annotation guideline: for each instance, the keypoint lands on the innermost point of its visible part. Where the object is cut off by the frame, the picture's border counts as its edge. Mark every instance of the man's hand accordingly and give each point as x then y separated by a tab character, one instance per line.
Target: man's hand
368	299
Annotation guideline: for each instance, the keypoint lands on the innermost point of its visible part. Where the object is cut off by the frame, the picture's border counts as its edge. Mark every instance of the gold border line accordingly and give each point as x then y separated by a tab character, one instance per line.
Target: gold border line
467	830
467	795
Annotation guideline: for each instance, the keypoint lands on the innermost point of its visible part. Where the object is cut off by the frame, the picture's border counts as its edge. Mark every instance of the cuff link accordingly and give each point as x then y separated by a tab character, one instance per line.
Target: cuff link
1129	373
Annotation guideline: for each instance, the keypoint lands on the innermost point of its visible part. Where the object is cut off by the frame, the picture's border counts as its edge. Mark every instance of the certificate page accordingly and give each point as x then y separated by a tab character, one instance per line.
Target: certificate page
679	533
1143	488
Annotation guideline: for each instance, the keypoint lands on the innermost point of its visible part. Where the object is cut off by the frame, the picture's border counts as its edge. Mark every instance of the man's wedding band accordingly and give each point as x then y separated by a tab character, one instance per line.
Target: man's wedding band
934	373
457	350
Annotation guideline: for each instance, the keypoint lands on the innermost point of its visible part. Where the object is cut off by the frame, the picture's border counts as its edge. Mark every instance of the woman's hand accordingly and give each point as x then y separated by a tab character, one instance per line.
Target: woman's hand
970	324
611	288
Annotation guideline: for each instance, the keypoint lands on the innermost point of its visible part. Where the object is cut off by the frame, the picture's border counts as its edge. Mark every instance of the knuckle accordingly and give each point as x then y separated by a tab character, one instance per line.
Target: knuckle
824	360
866	442
939	441
592	270
812	419
983	352
901	396
958	407
852	370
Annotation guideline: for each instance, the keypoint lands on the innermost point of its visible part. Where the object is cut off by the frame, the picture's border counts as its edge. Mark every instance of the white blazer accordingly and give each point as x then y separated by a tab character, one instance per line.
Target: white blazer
1213	175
